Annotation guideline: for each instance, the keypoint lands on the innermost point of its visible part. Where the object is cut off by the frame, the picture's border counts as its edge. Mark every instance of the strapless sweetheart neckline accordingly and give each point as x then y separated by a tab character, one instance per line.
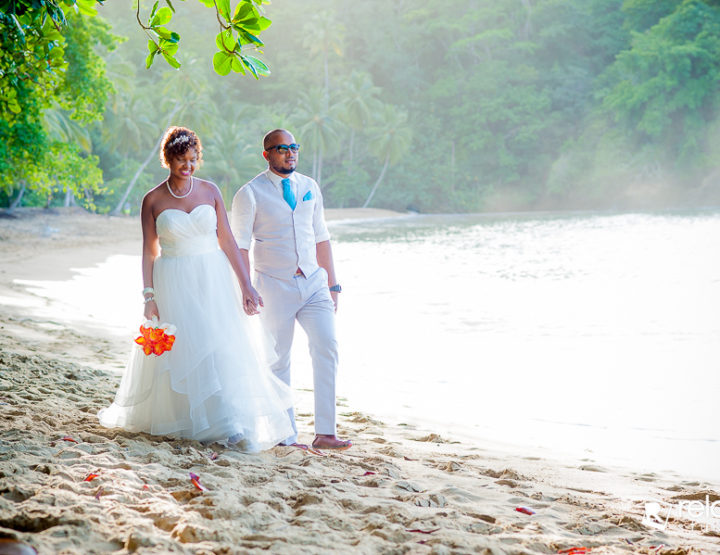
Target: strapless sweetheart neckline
181	210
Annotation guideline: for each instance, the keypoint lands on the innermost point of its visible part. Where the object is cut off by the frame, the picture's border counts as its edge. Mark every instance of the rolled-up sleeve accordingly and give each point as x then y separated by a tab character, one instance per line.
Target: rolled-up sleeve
242	217
319	224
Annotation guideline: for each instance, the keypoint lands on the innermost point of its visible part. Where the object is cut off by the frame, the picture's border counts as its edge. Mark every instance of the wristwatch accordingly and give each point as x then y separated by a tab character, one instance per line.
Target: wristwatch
336	288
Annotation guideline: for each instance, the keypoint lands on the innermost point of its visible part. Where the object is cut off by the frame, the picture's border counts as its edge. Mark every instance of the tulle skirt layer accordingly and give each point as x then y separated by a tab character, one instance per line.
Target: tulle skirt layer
212	385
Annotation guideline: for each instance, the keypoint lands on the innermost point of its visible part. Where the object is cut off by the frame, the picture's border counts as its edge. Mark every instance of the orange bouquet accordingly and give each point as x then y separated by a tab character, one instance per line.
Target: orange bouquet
156	338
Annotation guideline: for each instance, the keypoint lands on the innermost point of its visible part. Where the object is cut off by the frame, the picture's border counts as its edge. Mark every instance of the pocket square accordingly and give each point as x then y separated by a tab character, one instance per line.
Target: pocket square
307	196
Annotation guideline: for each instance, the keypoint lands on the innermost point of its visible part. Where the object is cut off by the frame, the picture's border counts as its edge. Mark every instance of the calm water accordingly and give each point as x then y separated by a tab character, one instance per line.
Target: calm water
590	335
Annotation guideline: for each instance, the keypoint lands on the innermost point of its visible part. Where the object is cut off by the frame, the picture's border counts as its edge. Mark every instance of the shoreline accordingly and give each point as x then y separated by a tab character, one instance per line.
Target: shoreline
399	489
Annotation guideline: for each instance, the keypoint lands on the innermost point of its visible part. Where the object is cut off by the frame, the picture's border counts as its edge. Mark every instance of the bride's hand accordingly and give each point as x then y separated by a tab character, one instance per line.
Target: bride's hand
151	310
251	301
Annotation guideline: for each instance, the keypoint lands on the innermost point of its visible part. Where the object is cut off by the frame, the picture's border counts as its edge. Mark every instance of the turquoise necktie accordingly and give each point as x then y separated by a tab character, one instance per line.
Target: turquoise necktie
288	194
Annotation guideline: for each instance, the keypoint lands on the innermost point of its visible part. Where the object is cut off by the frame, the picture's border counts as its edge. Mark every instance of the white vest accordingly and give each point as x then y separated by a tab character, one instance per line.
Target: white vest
285	239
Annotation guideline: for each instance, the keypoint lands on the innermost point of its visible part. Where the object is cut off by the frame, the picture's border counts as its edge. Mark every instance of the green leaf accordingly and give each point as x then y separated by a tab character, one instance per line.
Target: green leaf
170	4
260	67
152	46
163	16
250	66
247	38
154	9
20	31
223	7
225	40
244	10
171	60
164	32
264	23
149	59
87	7
222	63
168	47
237	66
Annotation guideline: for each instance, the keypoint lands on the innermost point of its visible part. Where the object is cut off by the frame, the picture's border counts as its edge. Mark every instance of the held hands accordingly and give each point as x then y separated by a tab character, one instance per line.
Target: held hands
252	301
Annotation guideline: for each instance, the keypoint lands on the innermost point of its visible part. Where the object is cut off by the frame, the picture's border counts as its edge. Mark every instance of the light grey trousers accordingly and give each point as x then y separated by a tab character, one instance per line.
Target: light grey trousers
307	300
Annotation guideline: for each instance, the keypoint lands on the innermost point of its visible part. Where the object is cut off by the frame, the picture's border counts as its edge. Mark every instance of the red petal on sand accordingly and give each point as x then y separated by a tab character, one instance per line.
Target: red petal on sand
195	480
145	486
68	438
90	477
213	456
419	531
575	550
368	473
525	510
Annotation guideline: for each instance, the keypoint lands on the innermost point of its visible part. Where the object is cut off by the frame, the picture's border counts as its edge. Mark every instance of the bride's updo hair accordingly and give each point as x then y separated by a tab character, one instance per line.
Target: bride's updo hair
176	142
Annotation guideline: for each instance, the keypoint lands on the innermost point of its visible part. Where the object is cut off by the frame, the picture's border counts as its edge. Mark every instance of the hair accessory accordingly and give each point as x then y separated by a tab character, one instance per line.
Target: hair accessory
180	139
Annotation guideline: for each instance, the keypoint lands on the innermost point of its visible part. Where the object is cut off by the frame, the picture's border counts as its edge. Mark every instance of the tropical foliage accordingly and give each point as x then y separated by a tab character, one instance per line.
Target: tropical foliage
431	106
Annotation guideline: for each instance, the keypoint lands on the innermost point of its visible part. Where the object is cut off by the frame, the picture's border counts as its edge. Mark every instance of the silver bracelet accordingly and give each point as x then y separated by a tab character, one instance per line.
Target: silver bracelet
150	298
148	290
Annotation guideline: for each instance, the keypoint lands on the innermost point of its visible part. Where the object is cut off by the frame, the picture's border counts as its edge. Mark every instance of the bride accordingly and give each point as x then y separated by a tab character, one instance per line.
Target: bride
211	385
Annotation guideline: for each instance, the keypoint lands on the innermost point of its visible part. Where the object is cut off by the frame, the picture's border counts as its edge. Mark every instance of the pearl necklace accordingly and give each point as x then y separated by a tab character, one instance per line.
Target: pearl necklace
167	182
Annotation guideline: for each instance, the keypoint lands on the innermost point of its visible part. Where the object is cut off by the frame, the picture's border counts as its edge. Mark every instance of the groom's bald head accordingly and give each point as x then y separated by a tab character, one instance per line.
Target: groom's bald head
271	137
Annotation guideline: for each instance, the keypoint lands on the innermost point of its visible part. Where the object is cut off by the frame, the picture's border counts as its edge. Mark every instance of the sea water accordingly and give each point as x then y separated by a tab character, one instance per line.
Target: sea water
591	335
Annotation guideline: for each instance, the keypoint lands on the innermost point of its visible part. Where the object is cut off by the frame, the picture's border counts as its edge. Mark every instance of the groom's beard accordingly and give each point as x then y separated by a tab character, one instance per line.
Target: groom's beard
283	171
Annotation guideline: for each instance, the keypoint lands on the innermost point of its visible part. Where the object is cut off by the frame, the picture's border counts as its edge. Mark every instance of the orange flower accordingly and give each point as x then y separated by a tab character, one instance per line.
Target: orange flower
155	339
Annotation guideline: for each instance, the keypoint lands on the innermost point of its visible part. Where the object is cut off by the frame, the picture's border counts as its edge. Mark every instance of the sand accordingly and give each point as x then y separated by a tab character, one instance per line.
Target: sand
398	490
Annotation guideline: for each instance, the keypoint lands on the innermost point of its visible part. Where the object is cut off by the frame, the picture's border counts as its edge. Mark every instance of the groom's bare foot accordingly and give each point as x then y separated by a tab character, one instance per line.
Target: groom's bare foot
330	441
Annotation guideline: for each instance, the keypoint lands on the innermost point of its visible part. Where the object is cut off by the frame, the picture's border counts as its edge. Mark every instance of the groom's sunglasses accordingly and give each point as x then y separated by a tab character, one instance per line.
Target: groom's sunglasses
283	149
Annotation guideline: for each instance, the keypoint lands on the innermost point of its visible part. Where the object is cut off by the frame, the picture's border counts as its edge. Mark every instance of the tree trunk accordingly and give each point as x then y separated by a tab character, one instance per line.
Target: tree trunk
320	168
351	148
131	185
379	179
528	25
315	164
69	197
452	166
18	199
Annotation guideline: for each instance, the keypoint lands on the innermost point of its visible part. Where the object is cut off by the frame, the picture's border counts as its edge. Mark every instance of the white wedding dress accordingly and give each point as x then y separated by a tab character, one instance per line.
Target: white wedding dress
211	385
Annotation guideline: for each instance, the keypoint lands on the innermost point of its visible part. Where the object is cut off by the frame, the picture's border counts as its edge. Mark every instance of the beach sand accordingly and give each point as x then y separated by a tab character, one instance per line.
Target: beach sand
398	490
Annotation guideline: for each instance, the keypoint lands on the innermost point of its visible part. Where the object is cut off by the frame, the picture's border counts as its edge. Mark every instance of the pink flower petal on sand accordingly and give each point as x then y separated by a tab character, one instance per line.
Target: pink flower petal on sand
369	473
419	531
99	492
195	480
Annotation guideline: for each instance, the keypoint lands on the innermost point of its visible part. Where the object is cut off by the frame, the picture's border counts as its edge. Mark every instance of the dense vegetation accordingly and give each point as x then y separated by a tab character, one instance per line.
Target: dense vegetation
453	105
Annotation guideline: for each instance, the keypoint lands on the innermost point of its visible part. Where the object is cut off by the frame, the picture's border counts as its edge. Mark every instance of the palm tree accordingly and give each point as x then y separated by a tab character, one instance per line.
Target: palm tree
180	91
235	154
358	101
61	129
391	138
323	34
319	130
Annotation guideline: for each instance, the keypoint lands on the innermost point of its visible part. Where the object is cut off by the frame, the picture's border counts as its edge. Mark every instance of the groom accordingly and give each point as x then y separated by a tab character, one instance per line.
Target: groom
295	274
